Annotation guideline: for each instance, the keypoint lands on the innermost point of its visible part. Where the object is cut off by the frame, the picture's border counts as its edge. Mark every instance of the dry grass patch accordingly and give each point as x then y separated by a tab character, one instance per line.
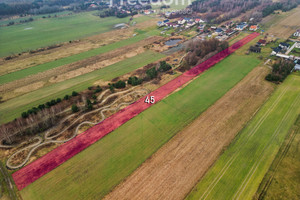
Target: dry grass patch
286	26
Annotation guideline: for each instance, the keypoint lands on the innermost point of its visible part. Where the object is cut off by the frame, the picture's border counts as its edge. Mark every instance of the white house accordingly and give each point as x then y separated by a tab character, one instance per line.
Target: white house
241	26
297	33
181	21
198	20
297	67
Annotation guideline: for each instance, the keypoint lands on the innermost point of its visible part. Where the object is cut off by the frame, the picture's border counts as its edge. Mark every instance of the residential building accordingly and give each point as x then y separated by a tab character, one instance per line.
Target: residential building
253	28
297	33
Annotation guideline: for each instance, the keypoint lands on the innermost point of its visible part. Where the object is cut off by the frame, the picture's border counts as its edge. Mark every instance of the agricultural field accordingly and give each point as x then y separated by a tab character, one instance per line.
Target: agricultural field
282	179
283	25
71	59
41	33
241	168
11	109
123	150
35	17
186	157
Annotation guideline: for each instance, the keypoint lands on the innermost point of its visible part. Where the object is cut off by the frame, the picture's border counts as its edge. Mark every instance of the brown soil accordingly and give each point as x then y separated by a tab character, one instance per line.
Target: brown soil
175	168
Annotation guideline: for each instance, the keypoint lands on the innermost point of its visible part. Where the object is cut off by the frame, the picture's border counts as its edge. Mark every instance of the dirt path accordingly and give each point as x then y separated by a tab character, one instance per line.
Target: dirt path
47	139
174	169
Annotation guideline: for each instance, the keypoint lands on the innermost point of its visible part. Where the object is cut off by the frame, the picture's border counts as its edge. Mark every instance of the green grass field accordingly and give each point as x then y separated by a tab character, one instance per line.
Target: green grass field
103	165
282	179
239	171
35	17
74	58
23	37
13	108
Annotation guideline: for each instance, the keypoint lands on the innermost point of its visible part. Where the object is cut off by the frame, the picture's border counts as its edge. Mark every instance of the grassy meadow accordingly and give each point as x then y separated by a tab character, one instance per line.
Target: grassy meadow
35	17
13	108
74	58
40	33
241	168
107	162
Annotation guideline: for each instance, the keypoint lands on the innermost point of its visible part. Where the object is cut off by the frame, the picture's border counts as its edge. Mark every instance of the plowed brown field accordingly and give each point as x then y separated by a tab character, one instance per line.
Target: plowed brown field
174	169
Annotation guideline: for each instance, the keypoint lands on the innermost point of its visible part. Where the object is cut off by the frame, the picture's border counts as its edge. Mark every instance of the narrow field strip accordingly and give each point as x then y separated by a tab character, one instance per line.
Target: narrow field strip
71	59
249	157
50	161
12	109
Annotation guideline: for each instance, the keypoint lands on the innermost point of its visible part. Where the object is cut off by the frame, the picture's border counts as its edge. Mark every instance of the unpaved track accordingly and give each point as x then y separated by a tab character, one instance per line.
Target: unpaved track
174	169
51	139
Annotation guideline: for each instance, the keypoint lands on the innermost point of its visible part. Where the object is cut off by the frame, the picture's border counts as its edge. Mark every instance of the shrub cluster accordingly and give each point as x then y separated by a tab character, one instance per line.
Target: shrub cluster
151	73
164	66
119	84
133	80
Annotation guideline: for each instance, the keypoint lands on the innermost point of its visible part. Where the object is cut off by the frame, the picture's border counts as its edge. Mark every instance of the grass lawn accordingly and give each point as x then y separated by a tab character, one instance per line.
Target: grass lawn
107	162
74	58
13	108
39	33
241	168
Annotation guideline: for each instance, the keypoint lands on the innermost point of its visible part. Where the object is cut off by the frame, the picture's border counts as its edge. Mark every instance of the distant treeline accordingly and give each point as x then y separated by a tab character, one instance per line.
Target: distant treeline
217	11
284	6
41	7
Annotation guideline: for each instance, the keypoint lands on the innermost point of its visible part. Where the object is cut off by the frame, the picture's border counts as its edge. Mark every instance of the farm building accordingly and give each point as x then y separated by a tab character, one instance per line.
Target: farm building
255	49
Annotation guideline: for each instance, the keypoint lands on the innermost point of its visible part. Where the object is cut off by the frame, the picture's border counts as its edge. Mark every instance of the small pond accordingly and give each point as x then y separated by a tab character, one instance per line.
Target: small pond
172	42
